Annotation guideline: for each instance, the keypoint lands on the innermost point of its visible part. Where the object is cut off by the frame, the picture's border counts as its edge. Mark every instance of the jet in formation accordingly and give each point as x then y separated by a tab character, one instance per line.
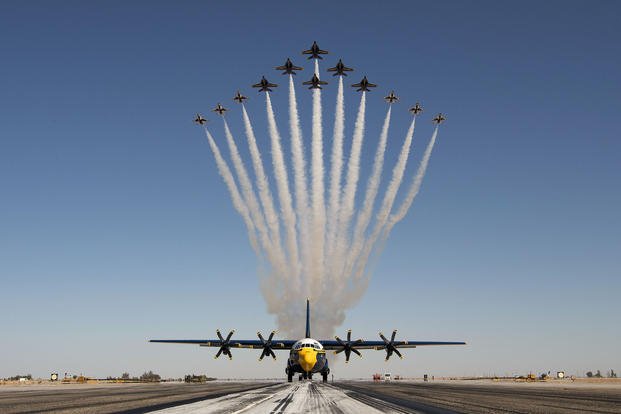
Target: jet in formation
439	119
340	69
364	85
219	109
239	98
315	82
416	109
200	120
391	98
264	85
307	356
289	68
314	52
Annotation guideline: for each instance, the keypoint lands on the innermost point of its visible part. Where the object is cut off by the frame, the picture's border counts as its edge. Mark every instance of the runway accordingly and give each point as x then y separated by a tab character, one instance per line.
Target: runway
355	397
303	397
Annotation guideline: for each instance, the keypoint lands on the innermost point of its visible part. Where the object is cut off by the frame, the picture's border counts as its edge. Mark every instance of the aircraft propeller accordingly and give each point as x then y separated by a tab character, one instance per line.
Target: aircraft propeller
225	347
267	346
390	346
348	346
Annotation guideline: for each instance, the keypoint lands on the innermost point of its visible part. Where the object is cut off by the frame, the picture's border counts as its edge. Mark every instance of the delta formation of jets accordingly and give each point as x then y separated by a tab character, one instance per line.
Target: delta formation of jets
288	68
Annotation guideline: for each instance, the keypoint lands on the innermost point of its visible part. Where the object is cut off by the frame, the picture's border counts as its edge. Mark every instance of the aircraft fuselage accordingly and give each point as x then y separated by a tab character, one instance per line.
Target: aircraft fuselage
306	357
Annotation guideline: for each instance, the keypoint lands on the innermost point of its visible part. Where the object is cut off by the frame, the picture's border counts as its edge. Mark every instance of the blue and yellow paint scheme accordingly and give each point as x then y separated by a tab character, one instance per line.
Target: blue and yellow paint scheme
307	356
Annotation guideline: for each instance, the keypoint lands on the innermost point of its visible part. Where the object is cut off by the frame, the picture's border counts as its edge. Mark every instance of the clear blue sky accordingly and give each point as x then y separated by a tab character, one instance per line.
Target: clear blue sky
115	226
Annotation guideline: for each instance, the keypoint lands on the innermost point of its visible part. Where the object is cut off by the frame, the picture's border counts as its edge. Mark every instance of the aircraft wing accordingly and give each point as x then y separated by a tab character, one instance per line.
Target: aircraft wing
239	343
377	345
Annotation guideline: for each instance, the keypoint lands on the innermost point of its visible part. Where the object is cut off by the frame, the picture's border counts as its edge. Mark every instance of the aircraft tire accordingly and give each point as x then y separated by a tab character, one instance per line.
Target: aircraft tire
324	376
289	377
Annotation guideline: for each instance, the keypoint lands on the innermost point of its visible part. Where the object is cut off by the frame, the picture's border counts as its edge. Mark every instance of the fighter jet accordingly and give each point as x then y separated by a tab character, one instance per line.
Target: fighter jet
200	120
439	119
315	82
416	109
364	85
264	85
340	69
392	98
239	98
289	68
219	109
314	52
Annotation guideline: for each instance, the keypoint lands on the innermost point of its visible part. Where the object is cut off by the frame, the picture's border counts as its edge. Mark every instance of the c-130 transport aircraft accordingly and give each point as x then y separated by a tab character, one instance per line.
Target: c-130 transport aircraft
307	356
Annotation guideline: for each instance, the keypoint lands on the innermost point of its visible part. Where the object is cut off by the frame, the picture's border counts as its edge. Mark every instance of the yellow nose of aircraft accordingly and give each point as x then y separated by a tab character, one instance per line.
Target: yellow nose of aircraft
307	358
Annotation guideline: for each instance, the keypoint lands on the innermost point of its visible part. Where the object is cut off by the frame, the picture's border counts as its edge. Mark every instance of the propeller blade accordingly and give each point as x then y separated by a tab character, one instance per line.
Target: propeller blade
355	351
219	335
384	338
269	340
261	337
272	353
347	354
218	354
392	339
228	338
349	335
398	353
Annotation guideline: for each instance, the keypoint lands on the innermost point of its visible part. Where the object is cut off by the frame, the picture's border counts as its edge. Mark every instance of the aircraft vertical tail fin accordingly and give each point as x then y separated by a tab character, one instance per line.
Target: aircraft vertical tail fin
308	335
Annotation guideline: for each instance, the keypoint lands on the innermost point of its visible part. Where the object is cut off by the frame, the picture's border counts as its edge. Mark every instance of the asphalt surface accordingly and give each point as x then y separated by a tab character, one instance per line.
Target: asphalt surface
465	397
116	398
356	397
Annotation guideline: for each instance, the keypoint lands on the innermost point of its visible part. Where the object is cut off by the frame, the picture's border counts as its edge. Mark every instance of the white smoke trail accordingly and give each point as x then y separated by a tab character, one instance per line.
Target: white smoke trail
387	203
353	168
265	194
282	183
349	192
336	169
238	203
299	175
364	216
318	204
414	188
274	253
